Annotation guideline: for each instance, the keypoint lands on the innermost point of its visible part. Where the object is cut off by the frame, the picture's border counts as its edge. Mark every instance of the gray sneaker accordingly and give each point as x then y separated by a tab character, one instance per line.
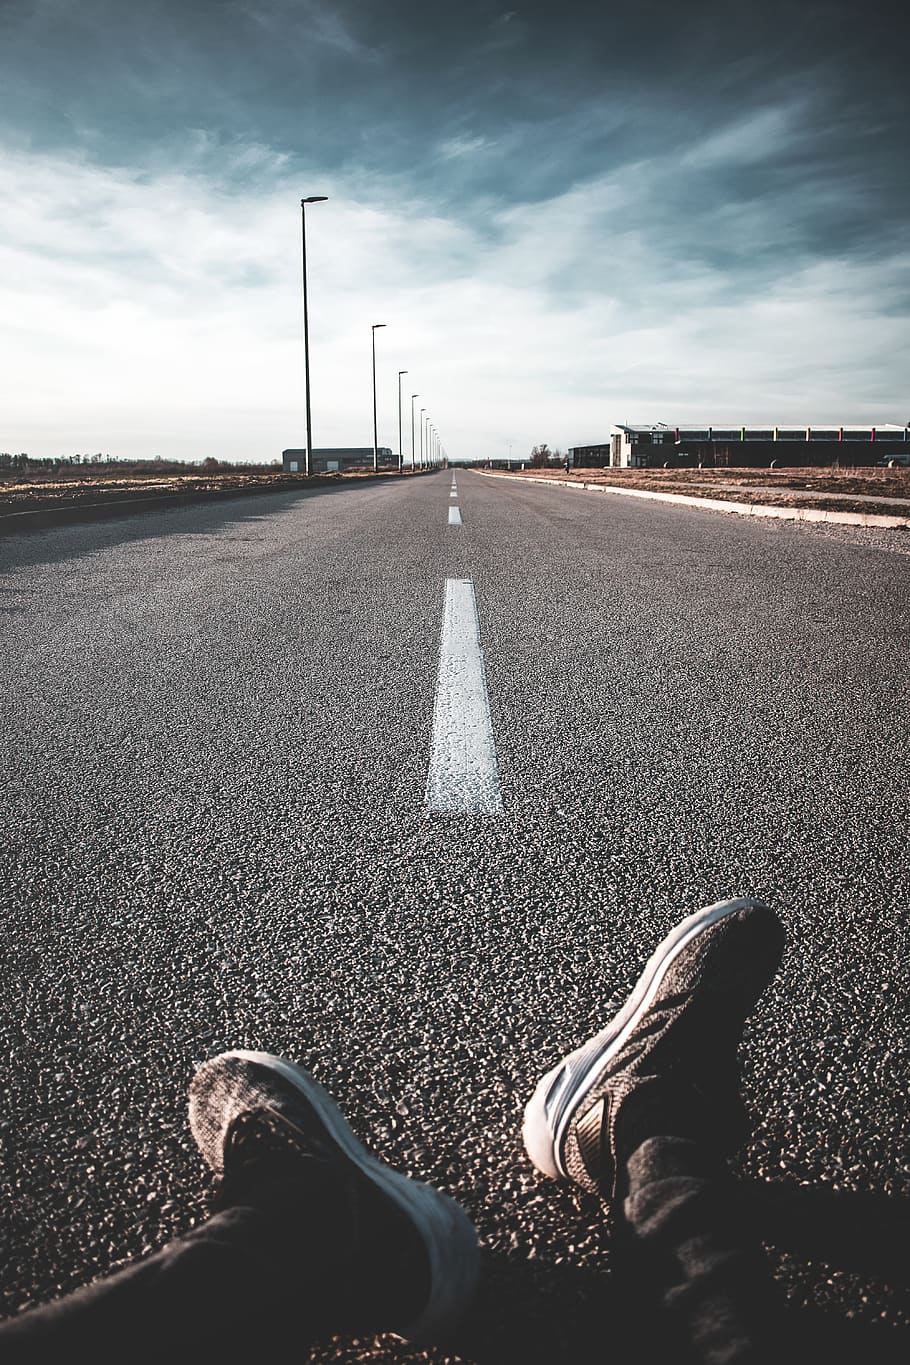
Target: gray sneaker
673	1042
259	1121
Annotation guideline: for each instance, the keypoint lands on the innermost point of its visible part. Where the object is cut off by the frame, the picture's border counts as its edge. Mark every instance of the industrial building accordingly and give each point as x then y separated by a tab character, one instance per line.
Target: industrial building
659	445
333	461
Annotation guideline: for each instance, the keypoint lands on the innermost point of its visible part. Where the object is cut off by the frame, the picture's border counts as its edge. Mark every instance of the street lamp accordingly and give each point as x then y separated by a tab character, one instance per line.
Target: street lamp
400	451
413	464
375	434
313	199
422	411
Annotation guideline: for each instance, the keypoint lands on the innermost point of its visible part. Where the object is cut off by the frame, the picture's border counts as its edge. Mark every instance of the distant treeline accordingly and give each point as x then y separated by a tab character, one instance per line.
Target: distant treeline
111	464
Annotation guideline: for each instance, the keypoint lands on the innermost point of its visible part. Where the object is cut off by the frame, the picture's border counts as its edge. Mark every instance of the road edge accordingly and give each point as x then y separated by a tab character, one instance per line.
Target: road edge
745	509
38	517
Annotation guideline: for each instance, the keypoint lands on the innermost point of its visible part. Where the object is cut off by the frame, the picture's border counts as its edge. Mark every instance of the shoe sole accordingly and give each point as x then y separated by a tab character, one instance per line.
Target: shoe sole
447	1232
561	1091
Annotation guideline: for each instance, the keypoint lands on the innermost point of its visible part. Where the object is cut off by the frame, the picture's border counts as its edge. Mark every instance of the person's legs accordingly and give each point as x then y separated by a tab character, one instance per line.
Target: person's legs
645	1115
315	1237
195	1298
692	1248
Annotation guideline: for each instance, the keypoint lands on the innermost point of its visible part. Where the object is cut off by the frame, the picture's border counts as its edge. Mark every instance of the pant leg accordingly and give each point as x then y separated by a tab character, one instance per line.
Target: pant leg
247	1278
697	1258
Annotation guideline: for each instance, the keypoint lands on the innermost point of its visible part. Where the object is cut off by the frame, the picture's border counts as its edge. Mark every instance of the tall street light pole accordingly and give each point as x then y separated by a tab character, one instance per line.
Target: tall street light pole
413	461
400	449
313	199
422	411
375	432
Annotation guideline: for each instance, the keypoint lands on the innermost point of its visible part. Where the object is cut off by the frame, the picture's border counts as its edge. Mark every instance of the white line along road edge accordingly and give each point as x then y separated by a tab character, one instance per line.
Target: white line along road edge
455	516
463	778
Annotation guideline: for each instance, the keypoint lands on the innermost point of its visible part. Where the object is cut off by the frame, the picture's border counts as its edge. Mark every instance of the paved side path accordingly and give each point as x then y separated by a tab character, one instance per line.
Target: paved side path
217	724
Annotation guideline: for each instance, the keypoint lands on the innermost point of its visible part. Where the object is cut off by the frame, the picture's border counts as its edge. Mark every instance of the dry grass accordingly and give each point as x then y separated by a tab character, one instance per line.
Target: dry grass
18	494
776	487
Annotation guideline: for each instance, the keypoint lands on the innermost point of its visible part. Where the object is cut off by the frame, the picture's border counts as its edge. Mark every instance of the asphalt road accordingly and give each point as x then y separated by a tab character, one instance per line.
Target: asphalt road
216	723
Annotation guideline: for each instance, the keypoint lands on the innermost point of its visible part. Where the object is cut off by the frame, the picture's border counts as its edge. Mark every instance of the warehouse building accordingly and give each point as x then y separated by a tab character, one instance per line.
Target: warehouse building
337	459
658	444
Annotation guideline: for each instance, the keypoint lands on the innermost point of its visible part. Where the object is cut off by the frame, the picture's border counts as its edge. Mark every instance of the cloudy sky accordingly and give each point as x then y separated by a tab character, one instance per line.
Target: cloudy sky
566	214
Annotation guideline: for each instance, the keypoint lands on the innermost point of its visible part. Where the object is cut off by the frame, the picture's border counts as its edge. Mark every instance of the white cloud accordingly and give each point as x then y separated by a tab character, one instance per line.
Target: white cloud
323	24
463	145
150	313
761	136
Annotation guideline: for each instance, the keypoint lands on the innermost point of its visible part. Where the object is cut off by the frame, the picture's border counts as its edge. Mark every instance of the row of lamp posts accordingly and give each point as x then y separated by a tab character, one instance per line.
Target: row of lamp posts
429	438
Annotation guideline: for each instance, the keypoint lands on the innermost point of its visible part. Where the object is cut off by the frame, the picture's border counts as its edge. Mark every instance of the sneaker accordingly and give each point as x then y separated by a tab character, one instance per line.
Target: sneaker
673	1043
258	1119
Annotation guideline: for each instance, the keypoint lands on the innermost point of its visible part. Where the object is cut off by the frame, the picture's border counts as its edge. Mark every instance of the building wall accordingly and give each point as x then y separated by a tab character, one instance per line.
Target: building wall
787	454
329	460
589	457
751	447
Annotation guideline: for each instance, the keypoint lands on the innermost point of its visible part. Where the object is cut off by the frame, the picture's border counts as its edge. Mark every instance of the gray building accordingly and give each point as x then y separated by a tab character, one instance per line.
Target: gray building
338	458
654	445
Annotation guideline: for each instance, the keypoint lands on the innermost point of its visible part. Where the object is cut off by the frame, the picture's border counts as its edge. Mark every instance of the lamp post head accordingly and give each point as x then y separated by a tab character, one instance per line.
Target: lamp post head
378	324
315	199
401	372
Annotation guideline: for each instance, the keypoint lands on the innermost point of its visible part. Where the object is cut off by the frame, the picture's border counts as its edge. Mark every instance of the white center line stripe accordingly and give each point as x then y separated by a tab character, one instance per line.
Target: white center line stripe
463	778
455	516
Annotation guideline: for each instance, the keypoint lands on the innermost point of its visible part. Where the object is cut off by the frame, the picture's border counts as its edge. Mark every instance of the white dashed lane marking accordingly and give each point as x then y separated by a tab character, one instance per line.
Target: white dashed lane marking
455	516
463	778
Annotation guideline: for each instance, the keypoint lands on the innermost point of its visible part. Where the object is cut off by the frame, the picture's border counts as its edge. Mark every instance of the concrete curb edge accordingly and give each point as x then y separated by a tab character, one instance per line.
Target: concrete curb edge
745	509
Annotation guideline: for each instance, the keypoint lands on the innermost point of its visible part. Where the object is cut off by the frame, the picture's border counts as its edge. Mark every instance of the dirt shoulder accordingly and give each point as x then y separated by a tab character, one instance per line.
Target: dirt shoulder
41	494
858	490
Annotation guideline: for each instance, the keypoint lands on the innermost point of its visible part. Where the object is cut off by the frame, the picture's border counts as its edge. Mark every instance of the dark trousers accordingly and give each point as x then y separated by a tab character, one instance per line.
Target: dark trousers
694	1260
235	1284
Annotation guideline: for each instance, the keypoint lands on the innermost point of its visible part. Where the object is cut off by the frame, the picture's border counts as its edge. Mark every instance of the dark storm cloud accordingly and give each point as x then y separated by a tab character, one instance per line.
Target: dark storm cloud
686	189
556	92
482	105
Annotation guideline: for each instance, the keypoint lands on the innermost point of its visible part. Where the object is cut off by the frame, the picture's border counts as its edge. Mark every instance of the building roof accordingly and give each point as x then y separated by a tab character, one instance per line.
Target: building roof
756	426
331	451
651	426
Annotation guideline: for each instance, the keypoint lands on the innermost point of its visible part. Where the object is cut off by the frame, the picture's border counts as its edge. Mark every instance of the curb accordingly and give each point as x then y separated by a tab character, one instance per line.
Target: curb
37	517
743	509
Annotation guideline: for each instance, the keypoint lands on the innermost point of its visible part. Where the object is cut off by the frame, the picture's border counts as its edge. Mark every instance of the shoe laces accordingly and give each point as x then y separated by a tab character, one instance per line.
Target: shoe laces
263	1149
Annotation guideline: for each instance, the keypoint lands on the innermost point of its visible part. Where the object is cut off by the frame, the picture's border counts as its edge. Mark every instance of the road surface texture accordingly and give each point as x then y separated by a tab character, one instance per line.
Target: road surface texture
217	724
